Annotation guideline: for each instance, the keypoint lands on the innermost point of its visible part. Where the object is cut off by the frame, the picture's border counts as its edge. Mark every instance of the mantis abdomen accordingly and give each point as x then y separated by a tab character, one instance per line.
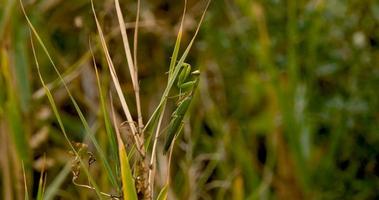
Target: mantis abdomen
175	125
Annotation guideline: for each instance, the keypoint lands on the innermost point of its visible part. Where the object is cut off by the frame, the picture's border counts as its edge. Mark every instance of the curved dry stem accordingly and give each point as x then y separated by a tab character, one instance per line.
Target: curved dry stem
153	153
138	102
92	188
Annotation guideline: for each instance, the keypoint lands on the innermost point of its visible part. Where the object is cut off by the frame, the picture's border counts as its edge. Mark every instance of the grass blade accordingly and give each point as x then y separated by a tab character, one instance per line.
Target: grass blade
176	69
125	42
59	119
42	182
53	187
128	54
118	86
108	126
25	184
79	112
128	188
21	66
173	73
13	111
177	42
171	67
163	193
129	191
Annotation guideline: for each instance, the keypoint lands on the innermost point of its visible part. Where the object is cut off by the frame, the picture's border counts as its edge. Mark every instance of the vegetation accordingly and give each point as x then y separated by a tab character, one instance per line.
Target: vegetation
174	100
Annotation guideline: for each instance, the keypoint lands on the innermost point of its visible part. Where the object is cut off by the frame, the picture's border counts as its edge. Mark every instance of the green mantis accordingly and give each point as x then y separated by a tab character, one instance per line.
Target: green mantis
187	83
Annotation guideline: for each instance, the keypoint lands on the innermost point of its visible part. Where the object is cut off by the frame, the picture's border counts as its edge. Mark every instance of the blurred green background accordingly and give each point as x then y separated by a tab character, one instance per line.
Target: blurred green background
287	106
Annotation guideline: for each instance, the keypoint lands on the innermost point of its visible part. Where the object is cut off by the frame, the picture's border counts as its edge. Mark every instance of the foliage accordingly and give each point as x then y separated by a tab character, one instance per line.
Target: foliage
286	107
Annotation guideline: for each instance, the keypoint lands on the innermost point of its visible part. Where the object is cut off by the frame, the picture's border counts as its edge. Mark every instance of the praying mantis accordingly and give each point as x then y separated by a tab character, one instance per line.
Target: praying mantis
187	83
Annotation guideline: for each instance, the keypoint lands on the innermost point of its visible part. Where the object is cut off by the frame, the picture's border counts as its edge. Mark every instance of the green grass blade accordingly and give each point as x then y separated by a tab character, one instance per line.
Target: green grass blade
96	144
53	187
21	65
177	43
128	187
25	184
78	110
163	193
59	119
174	57
42	182
108	126
73	70
176	70
41	186
13	111
6	15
